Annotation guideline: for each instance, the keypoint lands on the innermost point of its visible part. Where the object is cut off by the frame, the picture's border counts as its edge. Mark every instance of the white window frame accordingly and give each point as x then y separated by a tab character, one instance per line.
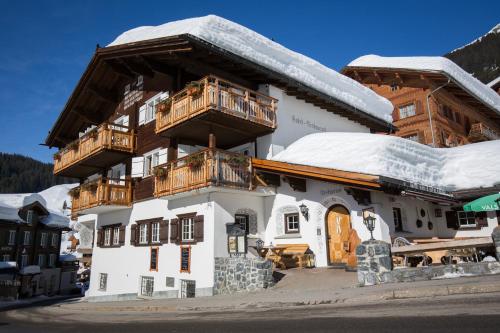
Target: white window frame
116	235
155	232
143	233
151	159
27	238
41	260
151	104
24	260
52	260
107	236
295	223
187	225
103	281
407	110
12	237
55	239
464	219
43	239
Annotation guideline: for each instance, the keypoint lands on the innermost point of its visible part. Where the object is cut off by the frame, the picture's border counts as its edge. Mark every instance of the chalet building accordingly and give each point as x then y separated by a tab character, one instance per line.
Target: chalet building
29	246
435	101
182	131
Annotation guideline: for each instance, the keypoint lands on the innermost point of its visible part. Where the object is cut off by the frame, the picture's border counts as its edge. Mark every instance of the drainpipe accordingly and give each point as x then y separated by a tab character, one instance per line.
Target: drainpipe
429	111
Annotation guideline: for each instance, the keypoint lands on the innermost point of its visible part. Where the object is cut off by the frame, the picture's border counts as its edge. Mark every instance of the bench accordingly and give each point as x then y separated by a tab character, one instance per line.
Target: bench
291	255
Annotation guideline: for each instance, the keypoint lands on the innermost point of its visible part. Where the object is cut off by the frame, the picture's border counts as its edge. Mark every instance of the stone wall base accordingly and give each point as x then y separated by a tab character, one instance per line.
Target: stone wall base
238	274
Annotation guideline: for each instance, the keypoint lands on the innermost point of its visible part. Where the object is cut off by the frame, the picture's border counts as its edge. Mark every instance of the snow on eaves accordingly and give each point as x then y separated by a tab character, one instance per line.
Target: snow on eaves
494	82
466	167
436	65
250	45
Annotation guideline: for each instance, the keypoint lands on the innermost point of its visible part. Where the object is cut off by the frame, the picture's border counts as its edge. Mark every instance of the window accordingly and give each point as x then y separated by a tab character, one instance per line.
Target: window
150	161
43	239
398	222
143	233
116	235
24	260
29	216
151	108
103	281
466	219
6	257
188	288
394	87
407	111
55	239
147	286
153	259
27	238
52	260
107	236
243	221
12	237
155	232
292	223
41	260
413	137
187	225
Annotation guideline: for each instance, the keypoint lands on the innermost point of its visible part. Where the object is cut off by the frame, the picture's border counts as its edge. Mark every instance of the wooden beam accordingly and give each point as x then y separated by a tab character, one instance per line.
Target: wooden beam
137	68
103	94
84	115
377	76
159	67
120	69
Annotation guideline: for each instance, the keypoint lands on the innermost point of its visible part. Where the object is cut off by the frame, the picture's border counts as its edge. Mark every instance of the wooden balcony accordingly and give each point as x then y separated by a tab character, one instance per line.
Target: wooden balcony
103	146
231	112
480	132
208	167
101	195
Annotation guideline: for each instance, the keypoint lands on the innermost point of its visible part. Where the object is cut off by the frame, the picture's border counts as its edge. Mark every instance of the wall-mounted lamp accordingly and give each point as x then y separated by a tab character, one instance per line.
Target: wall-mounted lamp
259	244
369	222
304	210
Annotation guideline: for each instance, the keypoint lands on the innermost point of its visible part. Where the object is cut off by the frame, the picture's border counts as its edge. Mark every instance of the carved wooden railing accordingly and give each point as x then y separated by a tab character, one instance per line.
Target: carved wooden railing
106	136
102	191
208	167
481	132
216	94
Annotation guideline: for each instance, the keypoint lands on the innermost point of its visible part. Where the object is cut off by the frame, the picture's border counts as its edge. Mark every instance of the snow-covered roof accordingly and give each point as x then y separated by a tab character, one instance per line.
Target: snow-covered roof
67	257
465	167
8	264
250	45
32	269
494	82
436	65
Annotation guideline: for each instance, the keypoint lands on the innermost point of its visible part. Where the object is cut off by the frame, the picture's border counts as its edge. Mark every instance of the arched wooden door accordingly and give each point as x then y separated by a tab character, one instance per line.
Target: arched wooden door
338	226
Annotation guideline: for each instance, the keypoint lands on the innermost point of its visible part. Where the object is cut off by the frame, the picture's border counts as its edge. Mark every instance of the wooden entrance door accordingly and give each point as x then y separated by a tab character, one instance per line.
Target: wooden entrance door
338	223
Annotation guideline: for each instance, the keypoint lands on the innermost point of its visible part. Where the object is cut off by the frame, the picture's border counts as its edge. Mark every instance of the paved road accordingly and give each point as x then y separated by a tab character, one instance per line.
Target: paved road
474	313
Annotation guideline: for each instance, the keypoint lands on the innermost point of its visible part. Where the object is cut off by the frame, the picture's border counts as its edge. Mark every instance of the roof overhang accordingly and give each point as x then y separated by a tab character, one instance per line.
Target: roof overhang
419	79
97	93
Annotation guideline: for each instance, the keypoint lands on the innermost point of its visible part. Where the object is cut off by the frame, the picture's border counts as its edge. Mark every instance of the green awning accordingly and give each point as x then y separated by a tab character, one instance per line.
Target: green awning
484	204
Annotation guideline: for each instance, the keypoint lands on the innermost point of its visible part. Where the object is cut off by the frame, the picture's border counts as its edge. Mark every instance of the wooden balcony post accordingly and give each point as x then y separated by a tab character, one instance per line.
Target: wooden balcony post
212	141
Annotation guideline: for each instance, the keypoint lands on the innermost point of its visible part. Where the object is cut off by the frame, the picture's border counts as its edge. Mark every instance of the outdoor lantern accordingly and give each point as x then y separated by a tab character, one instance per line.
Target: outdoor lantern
370	224
304	210
259	243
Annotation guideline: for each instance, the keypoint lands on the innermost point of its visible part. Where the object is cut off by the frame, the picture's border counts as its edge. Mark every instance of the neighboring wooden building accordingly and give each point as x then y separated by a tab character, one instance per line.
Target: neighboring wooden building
431	106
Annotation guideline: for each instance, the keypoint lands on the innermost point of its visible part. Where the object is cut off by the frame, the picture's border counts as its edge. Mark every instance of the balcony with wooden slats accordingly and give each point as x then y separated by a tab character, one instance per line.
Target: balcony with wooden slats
233	113
208	167
99	148
480	132
101	195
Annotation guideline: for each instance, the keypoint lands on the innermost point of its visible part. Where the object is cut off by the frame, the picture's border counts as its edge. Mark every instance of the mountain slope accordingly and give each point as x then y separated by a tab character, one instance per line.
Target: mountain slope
481	57
21	174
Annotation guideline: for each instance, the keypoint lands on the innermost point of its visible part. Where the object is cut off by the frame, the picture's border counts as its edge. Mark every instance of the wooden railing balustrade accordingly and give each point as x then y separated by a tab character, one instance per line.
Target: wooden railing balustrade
219	95
102	191
208	167
106	136
481	132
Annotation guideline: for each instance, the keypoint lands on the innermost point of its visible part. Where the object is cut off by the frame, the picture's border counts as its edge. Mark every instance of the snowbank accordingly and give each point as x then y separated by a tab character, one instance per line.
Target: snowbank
434	64
67	257
250	45
55	197
470	166
8	264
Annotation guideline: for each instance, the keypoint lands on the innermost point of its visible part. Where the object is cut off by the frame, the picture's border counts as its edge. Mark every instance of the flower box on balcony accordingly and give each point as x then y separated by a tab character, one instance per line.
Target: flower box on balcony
237	160
195	161
160	172
73	145
57	156
194	88
74	192
92	186
164	106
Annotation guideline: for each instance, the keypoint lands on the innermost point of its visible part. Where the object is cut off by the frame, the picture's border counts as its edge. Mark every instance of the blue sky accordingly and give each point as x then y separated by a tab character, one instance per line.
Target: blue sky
45	45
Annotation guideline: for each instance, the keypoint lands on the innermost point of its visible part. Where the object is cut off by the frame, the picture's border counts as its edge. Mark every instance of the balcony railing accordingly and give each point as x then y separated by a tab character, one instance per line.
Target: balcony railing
208	167
101	192
212	93
481	132
104	137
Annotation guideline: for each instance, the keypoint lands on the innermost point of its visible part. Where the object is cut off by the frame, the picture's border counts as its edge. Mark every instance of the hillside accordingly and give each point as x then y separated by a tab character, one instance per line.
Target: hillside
21	174
481	57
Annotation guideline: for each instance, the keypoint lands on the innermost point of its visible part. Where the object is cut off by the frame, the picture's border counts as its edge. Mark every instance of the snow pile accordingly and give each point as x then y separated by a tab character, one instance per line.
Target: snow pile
434	64
67	257
56	196
470	166
8	264
250	45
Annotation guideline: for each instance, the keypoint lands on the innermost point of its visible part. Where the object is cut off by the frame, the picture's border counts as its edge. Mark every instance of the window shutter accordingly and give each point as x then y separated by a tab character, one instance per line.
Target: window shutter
142	114
164	231
137	167
418	107
452	220
164	96
100	237
174	231
198	228
121	236
162	156
133	235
